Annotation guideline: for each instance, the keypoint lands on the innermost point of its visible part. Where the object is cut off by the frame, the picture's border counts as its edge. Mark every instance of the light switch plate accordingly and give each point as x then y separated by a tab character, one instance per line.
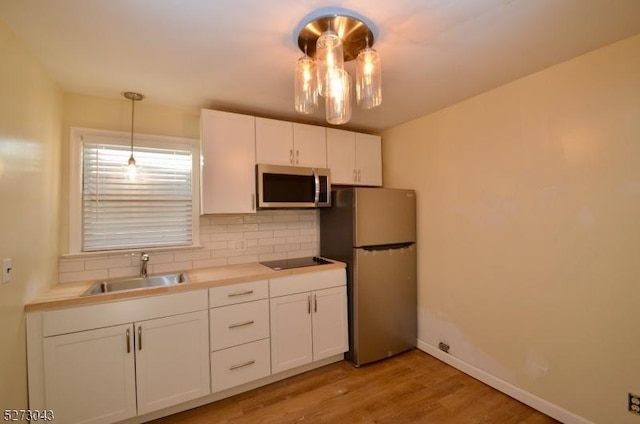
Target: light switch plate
6	270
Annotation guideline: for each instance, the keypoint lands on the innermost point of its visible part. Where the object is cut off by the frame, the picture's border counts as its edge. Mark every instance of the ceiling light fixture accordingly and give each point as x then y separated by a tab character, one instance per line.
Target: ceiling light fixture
328	39
134	97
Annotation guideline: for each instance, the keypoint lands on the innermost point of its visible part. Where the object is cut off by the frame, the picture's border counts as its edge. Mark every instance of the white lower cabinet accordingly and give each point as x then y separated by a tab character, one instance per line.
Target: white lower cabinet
119	360
310	325
172	360
239	325
108	374
90	375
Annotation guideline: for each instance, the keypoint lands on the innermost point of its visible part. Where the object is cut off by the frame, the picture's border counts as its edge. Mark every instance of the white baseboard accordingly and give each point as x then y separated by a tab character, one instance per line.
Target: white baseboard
509	389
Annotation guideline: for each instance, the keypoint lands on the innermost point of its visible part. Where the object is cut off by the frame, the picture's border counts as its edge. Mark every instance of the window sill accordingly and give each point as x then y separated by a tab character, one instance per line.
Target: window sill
125	252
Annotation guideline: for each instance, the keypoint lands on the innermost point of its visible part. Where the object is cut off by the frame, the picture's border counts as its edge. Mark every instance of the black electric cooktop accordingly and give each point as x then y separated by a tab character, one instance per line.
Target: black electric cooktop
295	262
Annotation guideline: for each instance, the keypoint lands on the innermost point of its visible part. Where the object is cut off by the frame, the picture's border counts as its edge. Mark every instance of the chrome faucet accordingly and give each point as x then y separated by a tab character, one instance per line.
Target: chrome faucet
144	259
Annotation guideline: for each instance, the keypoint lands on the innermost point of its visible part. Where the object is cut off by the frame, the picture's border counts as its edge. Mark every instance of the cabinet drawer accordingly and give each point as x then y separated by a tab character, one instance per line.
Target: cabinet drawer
238	324
238	293
301	283
240	364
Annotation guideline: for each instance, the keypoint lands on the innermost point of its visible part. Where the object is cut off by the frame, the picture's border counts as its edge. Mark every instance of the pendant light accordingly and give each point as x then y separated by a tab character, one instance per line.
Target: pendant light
306	89
329	57
368	80
331	37
338	100
134	97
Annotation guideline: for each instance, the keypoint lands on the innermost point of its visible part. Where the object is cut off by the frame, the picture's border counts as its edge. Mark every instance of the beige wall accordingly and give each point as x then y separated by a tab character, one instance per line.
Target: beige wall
529	230
30	134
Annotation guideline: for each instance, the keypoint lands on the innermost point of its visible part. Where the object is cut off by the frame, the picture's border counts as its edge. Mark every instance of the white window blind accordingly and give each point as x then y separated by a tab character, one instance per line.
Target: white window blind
153	210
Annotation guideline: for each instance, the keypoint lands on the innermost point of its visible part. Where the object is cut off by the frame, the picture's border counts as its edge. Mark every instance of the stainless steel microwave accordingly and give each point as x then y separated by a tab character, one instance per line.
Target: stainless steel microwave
292	187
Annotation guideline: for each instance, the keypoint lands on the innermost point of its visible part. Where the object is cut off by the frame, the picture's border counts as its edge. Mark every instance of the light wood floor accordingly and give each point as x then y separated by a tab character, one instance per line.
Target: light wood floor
410	388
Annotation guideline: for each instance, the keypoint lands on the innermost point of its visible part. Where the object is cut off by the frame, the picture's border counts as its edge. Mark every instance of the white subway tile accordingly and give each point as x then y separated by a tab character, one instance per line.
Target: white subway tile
216	245
272	241
191	256
73	277
257	219
209	229
96	264
158	258
226	219
244	259
243	227
226	236
286	218
286	233
273	226
289	247
71	265
258	234
210	263
171	267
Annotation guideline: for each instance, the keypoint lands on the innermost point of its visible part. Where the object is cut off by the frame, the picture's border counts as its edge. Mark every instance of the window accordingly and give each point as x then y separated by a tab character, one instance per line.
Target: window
111	211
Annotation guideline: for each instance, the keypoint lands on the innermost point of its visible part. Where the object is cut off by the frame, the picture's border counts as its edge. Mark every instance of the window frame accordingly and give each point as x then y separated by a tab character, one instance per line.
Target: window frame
142	140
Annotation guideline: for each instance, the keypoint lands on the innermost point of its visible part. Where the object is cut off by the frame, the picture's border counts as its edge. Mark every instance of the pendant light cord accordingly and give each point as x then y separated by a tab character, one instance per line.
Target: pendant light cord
133	107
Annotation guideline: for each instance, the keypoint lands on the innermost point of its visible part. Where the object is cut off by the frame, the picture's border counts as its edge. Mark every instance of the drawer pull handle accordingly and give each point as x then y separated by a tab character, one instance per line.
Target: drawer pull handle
243	293
244	364
241	324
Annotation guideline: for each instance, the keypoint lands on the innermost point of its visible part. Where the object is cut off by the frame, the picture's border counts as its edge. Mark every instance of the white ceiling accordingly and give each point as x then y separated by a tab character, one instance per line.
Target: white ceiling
238	55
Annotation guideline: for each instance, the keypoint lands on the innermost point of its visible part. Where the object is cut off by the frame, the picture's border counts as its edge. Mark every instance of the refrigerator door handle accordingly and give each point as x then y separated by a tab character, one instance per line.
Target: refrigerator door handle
388	246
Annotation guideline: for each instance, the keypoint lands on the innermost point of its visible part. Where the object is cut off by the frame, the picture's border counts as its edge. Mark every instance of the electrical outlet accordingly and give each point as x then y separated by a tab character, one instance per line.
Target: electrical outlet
6	270
634	403
443	347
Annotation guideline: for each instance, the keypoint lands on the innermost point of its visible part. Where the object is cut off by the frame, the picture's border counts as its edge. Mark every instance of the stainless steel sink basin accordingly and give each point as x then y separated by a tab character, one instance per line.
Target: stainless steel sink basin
134	283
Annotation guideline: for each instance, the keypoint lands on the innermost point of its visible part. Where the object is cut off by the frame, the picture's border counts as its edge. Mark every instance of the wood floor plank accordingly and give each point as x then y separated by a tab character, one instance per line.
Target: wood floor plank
410	388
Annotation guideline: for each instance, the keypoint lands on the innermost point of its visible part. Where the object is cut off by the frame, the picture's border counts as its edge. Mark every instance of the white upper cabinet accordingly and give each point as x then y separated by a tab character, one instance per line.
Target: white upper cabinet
310	145
288	143
354	158
228	162
369	159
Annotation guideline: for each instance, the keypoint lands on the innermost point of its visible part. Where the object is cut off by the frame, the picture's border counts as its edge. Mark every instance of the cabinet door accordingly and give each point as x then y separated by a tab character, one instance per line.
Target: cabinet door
341	156
369	159
330	334
290	331
90	375
310	146
274	142
228	162
172	360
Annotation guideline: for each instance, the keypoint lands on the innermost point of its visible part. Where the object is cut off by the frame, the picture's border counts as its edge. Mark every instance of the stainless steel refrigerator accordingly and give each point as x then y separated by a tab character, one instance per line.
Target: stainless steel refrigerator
373	230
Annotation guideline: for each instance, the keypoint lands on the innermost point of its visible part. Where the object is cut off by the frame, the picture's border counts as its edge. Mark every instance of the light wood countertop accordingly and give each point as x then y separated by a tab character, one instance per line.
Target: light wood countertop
70	294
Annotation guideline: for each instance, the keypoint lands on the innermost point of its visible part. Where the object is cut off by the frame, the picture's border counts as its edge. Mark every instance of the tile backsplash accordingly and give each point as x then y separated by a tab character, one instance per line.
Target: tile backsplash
225	240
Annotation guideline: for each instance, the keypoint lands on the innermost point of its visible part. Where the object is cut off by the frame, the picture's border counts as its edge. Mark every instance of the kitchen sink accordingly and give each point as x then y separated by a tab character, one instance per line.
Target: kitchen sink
134	283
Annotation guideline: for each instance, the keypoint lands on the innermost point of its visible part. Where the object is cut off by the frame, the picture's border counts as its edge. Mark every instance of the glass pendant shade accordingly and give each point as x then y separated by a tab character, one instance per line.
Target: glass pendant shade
305	90
368	79
338	100
329	57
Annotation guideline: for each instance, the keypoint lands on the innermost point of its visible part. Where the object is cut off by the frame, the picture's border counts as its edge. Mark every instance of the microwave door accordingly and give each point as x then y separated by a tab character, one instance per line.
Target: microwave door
292	187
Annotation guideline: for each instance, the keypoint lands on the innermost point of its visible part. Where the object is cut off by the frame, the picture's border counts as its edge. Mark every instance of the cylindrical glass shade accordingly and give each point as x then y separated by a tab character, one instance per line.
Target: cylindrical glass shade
329	57
368	79
305	91
338	102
